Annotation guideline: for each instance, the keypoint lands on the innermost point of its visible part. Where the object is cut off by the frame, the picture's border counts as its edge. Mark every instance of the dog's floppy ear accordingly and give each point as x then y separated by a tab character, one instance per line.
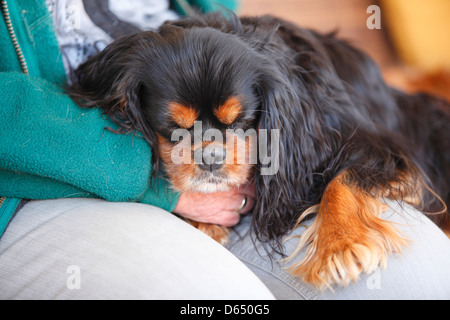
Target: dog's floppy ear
306	139
112	82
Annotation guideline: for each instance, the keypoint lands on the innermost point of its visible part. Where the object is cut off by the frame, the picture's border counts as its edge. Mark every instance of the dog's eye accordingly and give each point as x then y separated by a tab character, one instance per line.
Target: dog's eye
175	125
232	126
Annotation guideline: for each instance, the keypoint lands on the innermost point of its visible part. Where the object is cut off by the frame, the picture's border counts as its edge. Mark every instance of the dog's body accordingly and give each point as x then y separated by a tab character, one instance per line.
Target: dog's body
347	140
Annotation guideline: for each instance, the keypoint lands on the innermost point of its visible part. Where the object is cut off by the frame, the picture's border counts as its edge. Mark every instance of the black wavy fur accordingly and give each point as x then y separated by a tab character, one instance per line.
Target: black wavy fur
329	100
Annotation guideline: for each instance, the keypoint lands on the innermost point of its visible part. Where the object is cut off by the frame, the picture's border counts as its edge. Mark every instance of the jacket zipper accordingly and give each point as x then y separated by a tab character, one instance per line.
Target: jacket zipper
12	34
23	63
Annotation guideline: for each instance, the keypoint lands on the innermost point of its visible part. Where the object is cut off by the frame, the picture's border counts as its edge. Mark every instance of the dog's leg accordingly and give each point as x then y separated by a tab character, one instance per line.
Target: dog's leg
216	232
348	237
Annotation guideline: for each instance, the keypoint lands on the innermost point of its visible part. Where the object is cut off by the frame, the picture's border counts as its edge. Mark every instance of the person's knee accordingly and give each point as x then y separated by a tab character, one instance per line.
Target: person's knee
98	249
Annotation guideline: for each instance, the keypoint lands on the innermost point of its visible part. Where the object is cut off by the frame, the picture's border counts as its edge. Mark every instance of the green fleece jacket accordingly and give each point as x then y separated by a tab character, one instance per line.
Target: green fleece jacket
50	147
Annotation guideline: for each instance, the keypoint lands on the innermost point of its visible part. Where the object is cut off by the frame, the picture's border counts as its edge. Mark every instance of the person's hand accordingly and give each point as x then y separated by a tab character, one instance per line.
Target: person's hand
222	208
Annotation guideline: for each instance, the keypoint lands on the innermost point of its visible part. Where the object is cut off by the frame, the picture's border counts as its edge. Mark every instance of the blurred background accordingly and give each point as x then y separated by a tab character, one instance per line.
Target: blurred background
412	47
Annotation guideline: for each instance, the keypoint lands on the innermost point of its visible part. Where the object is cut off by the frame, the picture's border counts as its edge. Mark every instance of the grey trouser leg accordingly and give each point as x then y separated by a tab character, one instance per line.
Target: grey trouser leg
422	271
93	249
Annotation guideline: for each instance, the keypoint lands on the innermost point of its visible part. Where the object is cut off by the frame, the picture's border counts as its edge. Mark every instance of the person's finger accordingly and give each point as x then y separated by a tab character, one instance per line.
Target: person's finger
227	218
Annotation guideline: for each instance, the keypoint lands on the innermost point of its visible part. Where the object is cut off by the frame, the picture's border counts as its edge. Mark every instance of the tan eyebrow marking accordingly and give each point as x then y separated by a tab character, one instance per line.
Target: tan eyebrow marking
182	115
229	111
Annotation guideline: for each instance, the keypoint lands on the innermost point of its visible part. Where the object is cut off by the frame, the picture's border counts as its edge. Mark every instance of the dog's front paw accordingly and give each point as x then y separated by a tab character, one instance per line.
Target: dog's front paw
216	232
341	258
347	238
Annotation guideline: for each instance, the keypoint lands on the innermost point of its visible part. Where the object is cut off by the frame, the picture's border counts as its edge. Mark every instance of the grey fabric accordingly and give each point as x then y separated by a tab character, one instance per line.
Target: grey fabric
422	271
93	249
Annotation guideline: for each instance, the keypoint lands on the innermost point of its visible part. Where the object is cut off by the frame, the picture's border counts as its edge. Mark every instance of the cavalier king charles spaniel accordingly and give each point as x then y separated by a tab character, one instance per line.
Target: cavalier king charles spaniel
346	141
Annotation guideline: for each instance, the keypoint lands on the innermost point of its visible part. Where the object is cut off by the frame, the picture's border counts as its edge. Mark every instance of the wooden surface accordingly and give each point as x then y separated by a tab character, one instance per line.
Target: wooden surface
347	16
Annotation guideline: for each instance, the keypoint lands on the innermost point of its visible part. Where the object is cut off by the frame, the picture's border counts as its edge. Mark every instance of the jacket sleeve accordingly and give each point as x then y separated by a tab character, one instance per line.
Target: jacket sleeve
52	148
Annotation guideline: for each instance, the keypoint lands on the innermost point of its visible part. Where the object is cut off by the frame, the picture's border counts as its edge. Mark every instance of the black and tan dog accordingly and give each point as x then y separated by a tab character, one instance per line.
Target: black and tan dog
346	140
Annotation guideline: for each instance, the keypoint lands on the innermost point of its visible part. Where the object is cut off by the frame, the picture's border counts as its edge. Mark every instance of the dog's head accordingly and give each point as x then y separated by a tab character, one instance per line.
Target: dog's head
198	95
194	94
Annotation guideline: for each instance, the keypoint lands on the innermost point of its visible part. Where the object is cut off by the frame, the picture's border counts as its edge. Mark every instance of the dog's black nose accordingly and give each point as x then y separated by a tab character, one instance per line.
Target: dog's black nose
210	158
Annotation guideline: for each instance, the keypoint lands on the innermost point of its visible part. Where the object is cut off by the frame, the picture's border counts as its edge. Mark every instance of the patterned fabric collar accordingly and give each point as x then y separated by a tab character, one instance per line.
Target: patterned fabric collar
85	27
